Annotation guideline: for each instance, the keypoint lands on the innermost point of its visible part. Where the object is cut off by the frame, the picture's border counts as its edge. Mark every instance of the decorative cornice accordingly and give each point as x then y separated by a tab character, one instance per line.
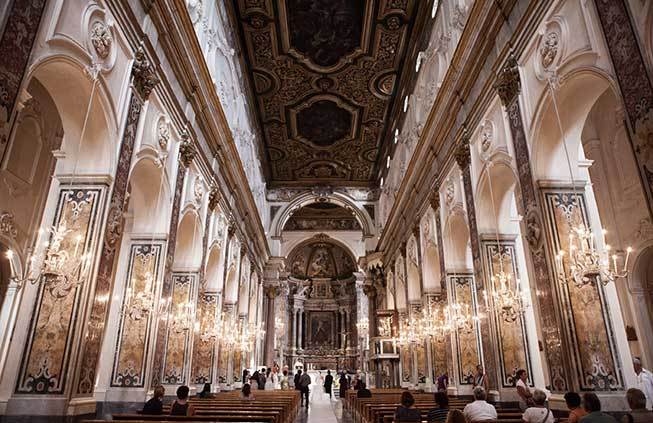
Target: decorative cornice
143	74
463	154
508	84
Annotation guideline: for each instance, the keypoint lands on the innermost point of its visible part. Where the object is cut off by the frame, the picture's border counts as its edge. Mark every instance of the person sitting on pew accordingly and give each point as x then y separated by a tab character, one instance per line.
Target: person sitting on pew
440	413
592	405
181	406
576	412
406	412
456	416
637	403
539	412
480	410
246	392
206	392
363	392
154	406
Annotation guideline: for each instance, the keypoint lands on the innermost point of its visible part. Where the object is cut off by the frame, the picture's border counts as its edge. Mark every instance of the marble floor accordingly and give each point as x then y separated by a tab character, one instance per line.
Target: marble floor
323	410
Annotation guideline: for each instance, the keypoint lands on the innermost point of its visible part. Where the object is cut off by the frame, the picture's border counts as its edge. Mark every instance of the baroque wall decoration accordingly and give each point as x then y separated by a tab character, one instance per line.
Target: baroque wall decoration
321	259
322	216
204	344
324	72
467	341
44	368
592	337
513	339
178	338
132	345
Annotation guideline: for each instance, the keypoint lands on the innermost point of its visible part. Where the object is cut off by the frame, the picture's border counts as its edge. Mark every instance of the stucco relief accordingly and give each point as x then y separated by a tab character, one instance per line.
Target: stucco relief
101	39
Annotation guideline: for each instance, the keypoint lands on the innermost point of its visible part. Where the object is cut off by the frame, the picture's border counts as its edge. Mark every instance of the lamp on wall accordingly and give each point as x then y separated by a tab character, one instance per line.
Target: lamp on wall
585	261
509	300
59	261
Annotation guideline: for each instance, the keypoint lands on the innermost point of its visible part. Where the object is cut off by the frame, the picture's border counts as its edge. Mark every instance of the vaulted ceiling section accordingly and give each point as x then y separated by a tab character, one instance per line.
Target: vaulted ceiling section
325	76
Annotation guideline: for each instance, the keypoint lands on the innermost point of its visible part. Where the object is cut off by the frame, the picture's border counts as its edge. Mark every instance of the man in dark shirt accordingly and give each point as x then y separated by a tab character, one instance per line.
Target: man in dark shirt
298	375
154	406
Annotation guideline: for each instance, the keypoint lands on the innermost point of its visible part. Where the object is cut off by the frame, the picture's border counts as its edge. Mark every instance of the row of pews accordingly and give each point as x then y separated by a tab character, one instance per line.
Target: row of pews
381	407
268	407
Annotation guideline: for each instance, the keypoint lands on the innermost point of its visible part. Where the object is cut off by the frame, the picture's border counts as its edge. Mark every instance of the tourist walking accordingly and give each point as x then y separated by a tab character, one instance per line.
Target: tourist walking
304	383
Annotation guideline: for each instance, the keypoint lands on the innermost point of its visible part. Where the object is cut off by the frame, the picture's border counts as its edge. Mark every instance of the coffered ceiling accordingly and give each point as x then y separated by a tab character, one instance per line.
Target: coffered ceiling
325	74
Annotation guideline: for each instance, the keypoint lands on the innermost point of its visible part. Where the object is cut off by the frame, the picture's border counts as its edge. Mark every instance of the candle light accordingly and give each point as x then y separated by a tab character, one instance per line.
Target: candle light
628	251
10	257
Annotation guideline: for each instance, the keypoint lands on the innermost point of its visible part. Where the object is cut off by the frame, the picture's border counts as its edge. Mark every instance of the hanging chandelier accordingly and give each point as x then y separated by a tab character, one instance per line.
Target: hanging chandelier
141	304
410	332
183	318
585	261
57	266
435	323
460	317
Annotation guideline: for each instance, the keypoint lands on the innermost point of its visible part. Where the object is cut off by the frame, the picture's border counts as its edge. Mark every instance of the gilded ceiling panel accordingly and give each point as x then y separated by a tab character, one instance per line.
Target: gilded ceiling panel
324	74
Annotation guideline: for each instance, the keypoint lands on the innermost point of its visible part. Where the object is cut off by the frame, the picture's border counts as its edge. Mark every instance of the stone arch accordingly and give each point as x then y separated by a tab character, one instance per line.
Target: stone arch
231	279
339	199
149	190
458	254
214	268
344	264
188	252
401	301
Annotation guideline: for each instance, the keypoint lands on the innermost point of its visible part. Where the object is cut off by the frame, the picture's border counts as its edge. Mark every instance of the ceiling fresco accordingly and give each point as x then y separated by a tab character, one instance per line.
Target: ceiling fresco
324	217
324	73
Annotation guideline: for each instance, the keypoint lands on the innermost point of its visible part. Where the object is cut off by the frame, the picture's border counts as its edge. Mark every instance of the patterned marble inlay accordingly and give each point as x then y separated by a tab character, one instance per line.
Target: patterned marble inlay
467	339
204	344
590	326
422	371
406	357
178	341
44	368
133	338
513	347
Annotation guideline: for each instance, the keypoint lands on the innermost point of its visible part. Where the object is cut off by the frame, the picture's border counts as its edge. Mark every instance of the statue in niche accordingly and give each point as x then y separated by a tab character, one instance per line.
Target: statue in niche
320	265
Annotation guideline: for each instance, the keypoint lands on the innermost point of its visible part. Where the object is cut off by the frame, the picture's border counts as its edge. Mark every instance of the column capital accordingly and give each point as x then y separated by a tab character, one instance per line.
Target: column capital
463	153
508	84
214	197
434	199
271	291
143	74
187	150
369	290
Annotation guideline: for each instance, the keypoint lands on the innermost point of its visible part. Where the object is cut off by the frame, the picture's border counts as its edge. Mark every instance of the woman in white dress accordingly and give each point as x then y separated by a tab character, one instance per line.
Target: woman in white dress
272	381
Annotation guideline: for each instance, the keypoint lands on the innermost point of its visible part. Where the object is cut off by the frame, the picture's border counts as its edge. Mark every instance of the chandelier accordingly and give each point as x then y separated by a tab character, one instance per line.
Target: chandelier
58	266
183	318
585	261
435	323
140	304
410	332
460	317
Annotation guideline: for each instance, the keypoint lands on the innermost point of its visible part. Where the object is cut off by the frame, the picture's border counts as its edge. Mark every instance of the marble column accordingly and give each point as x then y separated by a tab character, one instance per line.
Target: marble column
293	346
634	83
271	293
21	29
300	330
144	80
187	153
508	87
463	158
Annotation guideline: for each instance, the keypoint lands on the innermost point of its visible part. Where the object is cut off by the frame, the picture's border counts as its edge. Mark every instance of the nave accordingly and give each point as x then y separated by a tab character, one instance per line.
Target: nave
421	195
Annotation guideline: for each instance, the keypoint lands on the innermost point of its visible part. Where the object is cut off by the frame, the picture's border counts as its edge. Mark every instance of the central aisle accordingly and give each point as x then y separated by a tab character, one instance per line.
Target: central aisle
321	409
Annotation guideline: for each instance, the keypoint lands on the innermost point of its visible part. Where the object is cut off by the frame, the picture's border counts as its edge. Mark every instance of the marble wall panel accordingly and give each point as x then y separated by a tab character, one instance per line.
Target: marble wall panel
204	344
178	339
589	325
513	339
463	291
46	359
130	360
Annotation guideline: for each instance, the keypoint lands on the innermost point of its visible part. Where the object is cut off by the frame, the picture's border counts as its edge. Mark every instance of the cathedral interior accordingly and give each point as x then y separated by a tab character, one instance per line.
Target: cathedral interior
397	189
